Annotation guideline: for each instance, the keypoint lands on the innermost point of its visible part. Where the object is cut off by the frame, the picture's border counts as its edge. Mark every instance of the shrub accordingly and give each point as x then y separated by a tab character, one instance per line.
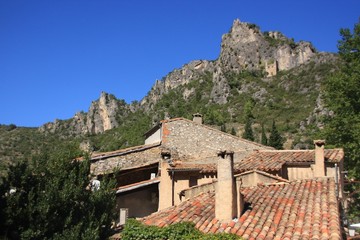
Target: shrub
136	230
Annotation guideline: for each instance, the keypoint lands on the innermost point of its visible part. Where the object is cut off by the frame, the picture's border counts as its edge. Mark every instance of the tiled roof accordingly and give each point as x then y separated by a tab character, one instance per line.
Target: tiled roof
268	160
305	209
137	185
103	155
124	159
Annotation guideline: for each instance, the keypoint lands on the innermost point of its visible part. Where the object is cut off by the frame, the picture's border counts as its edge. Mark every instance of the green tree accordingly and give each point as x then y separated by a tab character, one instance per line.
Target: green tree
248	132
264	140
50	197
342	96
275	139
248	108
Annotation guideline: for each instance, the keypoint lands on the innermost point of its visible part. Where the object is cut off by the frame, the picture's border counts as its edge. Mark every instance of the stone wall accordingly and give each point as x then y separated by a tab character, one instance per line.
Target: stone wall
190	140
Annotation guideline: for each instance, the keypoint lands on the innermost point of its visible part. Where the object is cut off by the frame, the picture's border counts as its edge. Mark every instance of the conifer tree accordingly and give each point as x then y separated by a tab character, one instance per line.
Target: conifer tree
275	139
248	132
264	140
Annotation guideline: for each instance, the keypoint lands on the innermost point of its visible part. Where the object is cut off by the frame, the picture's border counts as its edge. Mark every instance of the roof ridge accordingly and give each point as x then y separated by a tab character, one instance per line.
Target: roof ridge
123	151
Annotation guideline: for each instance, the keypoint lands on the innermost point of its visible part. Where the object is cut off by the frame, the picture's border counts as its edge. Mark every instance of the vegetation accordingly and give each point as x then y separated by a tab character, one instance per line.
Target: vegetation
135	230
342	95
264	140
275	139
50	197
248	133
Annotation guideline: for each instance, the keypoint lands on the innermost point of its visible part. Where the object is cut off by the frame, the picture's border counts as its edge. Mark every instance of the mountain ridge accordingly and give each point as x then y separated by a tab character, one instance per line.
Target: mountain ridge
243	48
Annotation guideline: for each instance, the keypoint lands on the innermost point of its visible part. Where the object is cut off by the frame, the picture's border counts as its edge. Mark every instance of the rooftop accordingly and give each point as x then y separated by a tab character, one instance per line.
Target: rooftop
301	209
264	160
129	158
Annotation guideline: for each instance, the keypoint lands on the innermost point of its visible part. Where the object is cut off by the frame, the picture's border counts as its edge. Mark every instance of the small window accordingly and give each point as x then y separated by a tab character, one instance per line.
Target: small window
193	181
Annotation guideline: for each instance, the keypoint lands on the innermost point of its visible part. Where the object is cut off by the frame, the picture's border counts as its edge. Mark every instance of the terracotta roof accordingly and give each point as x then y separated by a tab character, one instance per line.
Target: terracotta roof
268	160
137	185
277	178
124	159
103	155
305	209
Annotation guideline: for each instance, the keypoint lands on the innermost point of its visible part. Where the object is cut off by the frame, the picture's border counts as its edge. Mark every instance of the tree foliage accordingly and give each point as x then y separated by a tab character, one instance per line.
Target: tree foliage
342	96
135	230
264	140
50	197
275	139
248	132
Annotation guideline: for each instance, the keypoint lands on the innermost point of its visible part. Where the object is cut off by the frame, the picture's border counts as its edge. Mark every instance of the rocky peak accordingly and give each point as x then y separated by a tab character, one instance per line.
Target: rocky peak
102	114
246	47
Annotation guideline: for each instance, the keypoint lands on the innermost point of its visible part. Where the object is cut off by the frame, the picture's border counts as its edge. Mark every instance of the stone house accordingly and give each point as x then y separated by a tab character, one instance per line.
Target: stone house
179	160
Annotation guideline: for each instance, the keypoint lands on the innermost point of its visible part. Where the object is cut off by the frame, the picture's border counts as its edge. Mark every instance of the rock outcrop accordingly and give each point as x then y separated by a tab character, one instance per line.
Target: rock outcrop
245	47
103	115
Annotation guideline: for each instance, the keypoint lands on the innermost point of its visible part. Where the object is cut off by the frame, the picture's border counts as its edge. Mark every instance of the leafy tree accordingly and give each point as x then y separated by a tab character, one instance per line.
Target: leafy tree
248	133
275	139
50	197
264	140
342	96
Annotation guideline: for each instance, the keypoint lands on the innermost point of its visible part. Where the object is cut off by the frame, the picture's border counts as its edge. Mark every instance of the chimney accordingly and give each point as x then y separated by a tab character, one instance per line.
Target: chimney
319	167
197	117
225	195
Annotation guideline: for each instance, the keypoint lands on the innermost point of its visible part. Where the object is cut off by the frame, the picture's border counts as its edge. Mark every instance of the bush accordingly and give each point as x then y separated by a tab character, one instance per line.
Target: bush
136	230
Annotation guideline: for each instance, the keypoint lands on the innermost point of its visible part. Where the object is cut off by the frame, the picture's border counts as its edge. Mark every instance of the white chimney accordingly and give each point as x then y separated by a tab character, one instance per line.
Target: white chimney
319	167
225	196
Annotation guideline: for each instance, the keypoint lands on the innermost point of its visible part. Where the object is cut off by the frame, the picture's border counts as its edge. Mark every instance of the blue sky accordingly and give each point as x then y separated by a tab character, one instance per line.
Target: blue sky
56	56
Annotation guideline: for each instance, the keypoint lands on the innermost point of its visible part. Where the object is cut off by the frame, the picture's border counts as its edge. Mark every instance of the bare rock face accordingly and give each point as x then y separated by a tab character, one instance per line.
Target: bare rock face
102	114
221	88
244	47
174	79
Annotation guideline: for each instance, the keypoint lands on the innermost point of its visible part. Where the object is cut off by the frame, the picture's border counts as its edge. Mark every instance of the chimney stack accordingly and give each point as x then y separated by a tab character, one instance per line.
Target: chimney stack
319	167
197	117
225	196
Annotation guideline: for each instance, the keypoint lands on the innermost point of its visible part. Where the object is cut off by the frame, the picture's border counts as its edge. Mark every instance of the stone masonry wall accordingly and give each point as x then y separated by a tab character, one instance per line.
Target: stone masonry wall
188	140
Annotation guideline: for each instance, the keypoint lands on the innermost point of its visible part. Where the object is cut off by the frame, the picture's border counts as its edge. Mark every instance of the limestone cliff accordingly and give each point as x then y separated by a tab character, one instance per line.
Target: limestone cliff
103	115
244	47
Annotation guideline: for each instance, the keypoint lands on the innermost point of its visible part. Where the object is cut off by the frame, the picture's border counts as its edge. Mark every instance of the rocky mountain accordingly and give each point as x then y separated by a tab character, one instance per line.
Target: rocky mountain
244	49
102	115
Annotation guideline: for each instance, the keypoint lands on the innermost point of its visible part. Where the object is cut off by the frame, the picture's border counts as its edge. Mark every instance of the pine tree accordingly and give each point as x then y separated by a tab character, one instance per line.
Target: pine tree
275	139
264	140
248	133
